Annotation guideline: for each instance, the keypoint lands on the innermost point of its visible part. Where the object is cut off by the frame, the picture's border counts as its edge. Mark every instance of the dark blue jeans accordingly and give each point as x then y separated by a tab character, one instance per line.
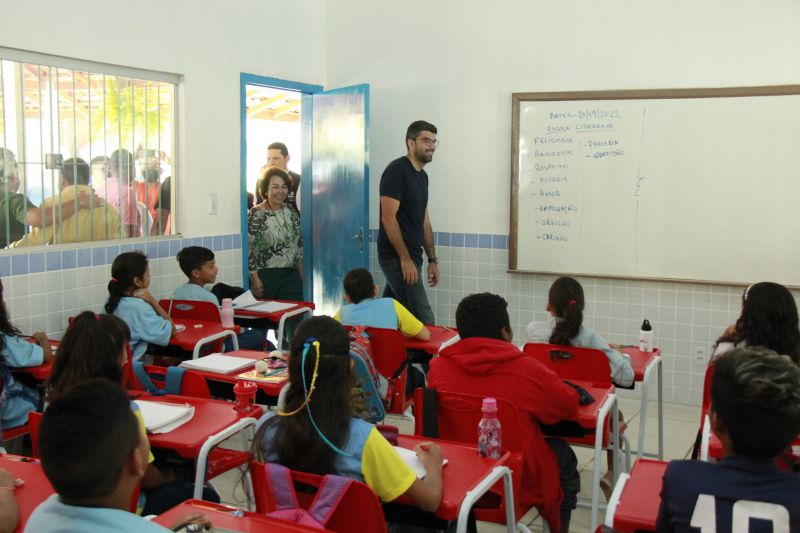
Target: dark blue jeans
412	297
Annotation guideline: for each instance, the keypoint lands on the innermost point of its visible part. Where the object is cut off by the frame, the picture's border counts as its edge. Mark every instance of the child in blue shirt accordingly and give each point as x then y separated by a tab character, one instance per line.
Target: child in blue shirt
17	399
200	267
755	413
94	453
366	309
129	299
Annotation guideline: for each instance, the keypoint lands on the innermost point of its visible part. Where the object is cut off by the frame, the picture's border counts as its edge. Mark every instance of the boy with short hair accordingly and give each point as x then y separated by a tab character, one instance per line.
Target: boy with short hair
94	453
199	265
366	309
485	363
755	413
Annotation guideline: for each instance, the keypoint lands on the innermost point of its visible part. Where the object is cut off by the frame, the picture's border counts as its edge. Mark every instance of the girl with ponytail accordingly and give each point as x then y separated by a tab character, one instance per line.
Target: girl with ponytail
565	304
129	300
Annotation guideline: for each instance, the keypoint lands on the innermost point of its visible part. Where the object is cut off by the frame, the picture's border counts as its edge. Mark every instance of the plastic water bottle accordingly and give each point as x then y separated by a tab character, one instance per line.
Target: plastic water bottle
226	313
489	436
646	337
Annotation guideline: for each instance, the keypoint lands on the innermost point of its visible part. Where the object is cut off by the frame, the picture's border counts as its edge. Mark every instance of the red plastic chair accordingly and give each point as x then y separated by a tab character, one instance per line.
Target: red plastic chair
220	459
13	433
457	420
195	310
572	362
390	357
358	510
34	419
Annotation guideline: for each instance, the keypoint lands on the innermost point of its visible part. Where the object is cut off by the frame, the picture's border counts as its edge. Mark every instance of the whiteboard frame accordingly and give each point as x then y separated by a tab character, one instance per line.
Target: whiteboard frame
635	94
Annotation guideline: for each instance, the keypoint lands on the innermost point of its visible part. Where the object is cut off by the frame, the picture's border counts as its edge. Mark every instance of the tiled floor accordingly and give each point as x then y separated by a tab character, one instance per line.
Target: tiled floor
680	427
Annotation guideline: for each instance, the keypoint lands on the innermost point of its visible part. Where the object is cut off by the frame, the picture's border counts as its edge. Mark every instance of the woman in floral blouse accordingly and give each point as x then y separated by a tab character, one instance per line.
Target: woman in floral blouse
276	246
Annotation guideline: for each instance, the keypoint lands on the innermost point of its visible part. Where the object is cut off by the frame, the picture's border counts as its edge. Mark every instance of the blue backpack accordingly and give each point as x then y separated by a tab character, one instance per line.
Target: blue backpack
172	383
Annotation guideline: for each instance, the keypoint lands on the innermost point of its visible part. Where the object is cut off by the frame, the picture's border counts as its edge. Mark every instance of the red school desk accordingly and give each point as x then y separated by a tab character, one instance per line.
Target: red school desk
36	489
637	496
198	333
230	518
210	417
280	317
465	478
440	336
593	418
39	372
643	364
270	389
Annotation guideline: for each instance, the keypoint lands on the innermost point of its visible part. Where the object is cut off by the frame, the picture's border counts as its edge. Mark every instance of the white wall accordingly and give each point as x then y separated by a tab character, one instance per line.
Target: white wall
210	44
456	63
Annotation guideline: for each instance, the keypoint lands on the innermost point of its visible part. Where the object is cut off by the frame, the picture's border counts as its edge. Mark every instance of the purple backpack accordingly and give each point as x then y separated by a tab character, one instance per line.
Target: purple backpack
327	498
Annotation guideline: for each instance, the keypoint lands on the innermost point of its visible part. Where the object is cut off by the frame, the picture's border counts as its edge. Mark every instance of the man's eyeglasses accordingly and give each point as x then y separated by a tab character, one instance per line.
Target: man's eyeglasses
427	141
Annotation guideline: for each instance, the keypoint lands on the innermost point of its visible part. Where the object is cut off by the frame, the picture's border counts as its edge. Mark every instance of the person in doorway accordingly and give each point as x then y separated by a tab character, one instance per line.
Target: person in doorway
278	157
405	225
276	245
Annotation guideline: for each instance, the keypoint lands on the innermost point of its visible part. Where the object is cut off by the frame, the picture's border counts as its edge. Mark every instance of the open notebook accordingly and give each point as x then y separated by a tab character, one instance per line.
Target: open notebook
218	363
162	417
410	458
247	301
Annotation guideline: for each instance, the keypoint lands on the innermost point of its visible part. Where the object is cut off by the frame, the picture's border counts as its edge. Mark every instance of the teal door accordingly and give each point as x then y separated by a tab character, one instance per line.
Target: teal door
335	201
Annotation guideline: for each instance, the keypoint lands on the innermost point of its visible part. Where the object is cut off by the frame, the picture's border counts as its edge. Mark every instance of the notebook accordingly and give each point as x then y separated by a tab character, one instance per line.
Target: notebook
247	301
410	458
273	376
162	417
218	363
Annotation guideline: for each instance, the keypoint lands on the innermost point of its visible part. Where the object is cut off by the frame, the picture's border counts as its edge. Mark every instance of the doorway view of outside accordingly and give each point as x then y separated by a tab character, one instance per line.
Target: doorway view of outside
272	115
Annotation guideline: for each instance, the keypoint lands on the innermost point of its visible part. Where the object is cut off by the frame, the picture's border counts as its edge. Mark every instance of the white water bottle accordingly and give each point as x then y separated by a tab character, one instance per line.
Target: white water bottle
646	337
226	313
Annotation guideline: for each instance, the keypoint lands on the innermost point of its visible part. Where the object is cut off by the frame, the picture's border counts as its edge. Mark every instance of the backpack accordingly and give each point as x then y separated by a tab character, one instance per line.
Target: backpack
327	498
370	393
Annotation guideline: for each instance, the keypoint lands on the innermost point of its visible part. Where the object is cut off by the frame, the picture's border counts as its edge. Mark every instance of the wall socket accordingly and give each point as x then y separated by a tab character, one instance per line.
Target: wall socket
700	354
212	203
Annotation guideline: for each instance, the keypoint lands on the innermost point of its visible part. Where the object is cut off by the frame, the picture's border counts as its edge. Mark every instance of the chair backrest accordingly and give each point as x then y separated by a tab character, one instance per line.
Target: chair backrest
34	420
192	383
390	358
191	310
458	416
572	362
358	510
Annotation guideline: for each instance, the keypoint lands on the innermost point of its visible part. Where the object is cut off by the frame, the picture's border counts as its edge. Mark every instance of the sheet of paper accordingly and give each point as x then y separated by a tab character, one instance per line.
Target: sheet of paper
219	363
410	458
246	300
162	417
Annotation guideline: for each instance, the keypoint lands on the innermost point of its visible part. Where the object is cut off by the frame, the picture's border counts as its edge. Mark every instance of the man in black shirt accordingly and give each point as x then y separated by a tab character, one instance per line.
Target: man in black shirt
405	227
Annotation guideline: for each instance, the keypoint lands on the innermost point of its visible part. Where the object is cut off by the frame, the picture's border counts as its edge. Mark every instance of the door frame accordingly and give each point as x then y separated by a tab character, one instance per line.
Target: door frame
246	79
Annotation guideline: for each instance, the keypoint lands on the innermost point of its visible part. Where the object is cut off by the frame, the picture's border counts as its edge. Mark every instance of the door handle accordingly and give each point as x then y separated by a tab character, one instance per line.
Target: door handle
360	238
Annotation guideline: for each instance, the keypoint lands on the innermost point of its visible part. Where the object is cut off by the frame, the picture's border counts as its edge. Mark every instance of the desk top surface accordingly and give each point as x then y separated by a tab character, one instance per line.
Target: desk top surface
641	497
210	417
439	335
230	518
464	470
640	360
275	316
36	489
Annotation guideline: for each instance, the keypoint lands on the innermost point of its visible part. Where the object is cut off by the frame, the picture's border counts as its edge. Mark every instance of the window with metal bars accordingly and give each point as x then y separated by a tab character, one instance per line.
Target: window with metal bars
87	151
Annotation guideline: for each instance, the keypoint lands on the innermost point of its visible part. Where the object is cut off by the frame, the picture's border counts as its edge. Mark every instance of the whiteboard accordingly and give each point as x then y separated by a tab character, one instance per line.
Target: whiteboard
694	185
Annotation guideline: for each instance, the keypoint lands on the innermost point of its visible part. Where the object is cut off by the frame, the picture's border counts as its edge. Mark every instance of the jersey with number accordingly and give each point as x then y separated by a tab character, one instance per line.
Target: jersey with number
736	495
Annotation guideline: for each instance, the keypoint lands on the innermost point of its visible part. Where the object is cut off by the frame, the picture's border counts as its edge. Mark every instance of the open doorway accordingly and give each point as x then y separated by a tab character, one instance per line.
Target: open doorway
272	115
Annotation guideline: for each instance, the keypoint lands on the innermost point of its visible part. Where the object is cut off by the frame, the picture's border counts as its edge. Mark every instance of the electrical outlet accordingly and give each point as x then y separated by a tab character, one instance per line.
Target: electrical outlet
212	203
700	354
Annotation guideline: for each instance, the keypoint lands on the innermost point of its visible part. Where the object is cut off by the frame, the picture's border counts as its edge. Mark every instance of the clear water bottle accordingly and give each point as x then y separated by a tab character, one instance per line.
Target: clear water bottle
489	436
646	337
226	313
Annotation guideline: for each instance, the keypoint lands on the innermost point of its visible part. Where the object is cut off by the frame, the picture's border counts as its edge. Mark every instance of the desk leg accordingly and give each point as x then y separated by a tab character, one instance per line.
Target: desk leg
599	433
282	323
660	410
482	488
